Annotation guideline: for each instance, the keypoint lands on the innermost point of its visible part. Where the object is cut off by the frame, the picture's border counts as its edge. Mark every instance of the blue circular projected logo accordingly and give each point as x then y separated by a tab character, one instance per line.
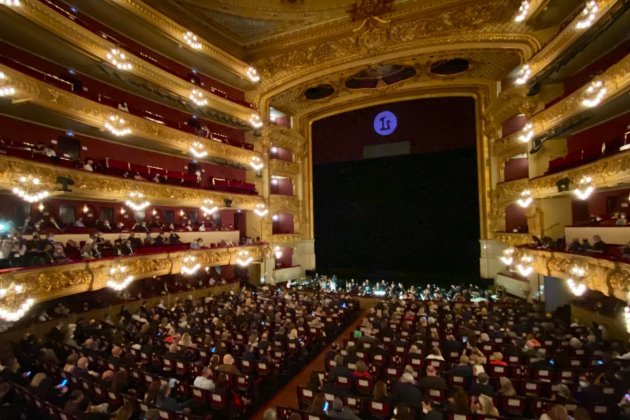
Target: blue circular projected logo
385	123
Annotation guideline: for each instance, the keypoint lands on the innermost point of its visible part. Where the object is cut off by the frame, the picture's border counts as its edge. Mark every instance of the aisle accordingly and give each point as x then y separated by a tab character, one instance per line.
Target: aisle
287	395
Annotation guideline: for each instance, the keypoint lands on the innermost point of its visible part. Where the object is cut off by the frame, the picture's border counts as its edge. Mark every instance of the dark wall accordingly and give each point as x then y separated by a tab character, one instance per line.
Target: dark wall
413	218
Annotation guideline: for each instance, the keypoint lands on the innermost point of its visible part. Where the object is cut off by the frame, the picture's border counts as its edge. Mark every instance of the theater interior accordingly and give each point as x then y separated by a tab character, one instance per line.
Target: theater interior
313	209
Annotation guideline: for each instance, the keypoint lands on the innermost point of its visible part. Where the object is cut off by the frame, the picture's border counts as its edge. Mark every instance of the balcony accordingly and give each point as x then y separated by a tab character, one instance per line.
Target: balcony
286	238
34	92
283	168
52	282
97	46
94	186
284	137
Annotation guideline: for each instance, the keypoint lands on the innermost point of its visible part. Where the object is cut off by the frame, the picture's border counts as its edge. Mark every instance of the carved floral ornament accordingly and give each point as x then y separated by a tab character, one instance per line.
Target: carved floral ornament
609	277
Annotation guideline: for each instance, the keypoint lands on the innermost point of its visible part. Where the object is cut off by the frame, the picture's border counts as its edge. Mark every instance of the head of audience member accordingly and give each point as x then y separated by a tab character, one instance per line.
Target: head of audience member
431	371
380	391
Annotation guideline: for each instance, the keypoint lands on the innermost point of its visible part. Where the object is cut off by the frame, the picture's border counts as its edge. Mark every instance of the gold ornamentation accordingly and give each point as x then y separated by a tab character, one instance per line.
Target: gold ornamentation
283	168
512	239
286	238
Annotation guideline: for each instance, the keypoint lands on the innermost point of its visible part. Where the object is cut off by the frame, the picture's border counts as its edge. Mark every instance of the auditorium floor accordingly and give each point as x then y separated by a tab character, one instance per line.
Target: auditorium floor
287	396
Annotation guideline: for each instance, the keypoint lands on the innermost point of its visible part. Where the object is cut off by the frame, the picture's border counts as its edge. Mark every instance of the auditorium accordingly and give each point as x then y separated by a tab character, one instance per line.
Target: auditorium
315	209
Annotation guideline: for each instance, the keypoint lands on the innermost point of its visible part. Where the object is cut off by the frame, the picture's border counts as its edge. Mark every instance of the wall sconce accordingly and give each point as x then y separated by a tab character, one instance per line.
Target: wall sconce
10	3
576	286
192	40
588	15
29	189
594	93
523	11
190	265
117	126
256	163
527	133
275	217
118	279
85	208
119	59
253	75
208	207
261	209
198	97
243	258
524	267
14	306
6	90
523	74
255	121
198	150
135	201
508	256
525	199
277	252
585	188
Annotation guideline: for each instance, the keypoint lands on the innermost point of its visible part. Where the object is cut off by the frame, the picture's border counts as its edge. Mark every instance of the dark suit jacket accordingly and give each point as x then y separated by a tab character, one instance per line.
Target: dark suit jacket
407	393
433	382
461	370
478	389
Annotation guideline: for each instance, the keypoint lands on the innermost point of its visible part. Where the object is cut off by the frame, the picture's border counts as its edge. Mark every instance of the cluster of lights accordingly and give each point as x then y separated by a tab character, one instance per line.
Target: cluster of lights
10	3
119	59
208	207
524	267
256	163
277	251
29	189
243	258
261	210
523	75
14	310
190	265
585	188
525	199
198	150
118	280
588	15
527	133
253	75
5	90
576	286
255	121
136	201
198	97
594	94
523	11
508	256
192	40
117	126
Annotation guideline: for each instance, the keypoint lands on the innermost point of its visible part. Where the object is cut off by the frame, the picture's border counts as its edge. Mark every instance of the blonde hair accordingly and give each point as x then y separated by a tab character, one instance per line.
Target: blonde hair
37	379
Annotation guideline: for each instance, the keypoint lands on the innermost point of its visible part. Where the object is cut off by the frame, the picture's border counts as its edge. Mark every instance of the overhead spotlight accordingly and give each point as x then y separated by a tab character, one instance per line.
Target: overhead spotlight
524	267
198	97
523	75
198	150
525	199
192	40
119	59
255	121
508	256
136	201
10	3
118	277
252	73
29	189
190	265
117	126
594	93
261	210
208	207
523	11
243	258
256	163
527	133
588	15
584	188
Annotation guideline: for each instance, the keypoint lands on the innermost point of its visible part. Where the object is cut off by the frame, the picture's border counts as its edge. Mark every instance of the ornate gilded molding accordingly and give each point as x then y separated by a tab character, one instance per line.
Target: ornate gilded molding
284	137
569	34
95	114
176	32
612	278
93	186
284	203
616	80
99	47
512	239
47	283
283	168
286	239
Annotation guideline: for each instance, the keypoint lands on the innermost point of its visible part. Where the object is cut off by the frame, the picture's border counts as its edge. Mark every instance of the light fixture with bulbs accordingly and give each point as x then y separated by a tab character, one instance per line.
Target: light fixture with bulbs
85	208
190	265
508	256
523	11
255	121
208	207
243	258
261	209
256	163
136	201
192	40
527	133
523	75
275	217
588	15
253	75
118	277
274	150
594	93
577	287
584	188
198	98
117	126
119	59
525	199
277	251
29	189
198	150
10	3
6	89
524	267
14	305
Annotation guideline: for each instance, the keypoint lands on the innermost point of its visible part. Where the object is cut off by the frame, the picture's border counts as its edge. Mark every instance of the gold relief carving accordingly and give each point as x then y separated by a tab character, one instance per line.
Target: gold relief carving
97	186
95	114
286	238
284	137
282	167
507	192
282	203
94	44
512	239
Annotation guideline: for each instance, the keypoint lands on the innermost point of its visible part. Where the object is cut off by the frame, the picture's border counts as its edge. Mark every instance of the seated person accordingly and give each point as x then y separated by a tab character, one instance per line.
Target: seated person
586	245
575	246
598	244
621	221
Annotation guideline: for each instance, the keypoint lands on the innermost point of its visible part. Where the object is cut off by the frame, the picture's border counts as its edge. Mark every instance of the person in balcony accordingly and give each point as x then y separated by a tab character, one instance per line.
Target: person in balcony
89	165
135	241
173	238
622	221
586	245
148	240
156	222
104	226
79	223
195	244
160	239
598	244
140	227
123	106
575	246
202	227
